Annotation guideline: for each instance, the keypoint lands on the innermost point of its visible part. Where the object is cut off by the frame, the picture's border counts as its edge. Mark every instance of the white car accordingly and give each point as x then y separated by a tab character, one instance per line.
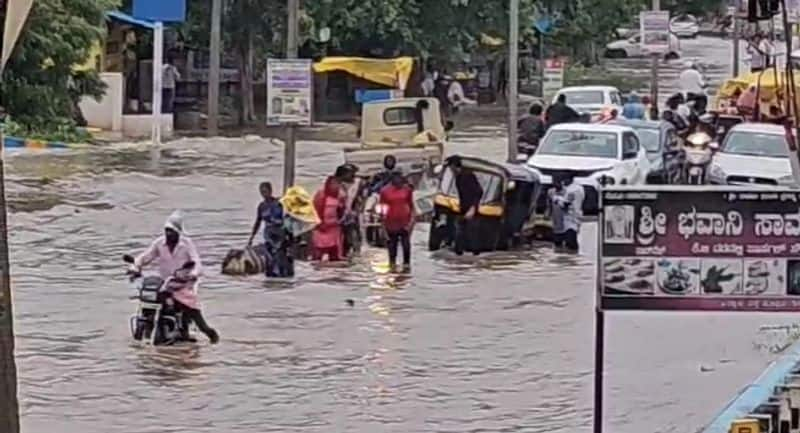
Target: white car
753	154
684	26
591	99
592	154
632	47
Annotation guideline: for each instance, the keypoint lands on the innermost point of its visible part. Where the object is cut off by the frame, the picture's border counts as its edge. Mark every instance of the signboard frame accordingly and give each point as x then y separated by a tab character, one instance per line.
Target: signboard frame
654	28
736	232
718	249
290	92
552	78
168	11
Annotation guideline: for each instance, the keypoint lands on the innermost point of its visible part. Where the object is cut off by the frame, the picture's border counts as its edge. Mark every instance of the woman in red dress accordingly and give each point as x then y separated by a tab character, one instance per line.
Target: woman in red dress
327	238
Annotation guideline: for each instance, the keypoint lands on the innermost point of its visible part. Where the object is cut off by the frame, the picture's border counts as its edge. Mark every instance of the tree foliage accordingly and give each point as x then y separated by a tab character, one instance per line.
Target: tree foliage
40	86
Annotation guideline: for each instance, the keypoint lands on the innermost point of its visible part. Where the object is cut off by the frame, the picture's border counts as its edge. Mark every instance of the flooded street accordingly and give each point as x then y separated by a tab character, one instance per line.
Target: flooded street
502	342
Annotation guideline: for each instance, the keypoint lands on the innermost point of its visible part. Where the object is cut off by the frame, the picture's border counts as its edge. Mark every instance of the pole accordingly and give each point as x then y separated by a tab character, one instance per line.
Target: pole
541	64
289	150
9	407
214	67
654	67
736	47
158	65
599	329
513	70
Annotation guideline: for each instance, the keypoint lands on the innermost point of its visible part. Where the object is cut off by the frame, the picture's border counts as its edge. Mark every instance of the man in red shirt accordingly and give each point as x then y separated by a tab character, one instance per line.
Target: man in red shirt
397	199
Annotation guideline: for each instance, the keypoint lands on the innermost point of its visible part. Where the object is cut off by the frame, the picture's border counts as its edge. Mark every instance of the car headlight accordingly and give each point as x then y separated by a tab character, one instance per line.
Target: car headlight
717	173
787	180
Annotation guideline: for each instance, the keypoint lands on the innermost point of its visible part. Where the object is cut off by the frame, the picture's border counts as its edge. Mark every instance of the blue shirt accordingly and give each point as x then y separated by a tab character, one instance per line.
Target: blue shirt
271	213
633	110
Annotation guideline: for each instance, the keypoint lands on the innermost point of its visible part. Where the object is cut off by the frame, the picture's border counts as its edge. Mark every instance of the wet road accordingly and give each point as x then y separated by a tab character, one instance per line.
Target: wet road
498	343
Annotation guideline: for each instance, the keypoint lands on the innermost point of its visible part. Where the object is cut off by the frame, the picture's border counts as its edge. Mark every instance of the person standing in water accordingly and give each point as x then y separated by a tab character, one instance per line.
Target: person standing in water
328	238
270	212
569	200
398	197
470	193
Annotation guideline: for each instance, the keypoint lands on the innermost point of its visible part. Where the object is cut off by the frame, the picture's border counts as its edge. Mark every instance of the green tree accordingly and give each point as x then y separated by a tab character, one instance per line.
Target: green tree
40	86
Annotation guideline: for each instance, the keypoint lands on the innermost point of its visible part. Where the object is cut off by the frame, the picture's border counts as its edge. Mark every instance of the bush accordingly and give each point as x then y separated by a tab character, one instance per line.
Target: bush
47	129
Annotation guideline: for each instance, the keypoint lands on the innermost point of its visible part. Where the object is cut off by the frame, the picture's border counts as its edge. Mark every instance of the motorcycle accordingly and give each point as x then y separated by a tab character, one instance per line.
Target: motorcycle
699	150
373	215
157	320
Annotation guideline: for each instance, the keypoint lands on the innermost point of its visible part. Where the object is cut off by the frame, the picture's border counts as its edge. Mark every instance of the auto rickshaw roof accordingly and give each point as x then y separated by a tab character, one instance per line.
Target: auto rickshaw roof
513	171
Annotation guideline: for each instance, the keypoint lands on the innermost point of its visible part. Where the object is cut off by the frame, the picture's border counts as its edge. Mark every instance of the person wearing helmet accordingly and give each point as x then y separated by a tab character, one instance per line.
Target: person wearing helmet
171	252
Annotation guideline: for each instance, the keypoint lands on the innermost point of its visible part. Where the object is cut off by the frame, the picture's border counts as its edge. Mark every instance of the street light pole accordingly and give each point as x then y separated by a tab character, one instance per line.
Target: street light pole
513	70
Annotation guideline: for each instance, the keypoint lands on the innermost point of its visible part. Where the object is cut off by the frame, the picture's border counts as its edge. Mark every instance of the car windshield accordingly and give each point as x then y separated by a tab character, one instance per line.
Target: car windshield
579	97
755	144
649	137
580	143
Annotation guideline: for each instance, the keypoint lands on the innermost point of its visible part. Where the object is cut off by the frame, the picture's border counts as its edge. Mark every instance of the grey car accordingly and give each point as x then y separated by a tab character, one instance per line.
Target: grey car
660	140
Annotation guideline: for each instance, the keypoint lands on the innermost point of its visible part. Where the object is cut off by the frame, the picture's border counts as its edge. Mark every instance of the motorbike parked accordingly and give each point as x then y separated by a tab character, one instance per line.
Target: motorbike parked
157	320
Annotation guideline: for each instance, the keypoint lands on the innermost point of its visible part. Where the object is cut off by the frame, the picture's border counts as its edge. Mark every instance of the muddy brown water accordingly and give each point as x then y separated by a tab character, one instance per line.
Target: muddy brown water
501	342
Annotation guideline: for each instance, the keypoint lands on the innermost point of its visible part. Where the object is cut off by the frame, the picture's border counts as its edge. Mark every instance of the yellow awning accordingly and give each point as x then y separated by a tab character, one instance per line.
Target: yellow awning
766	81
392	73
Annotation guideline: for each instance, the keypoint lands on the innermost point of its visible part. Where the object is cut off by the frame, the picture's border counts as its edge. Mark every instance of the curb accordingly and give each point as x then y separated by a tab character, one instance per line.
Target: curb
10	142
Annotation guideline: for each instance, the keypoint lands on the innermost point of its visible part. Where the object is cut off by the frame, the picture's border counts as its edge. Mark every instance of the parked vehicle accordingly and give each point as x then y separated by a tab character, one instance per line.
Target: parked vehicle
753	153
411	129
684	26
663	146
507	212
591	99
593	154
632	47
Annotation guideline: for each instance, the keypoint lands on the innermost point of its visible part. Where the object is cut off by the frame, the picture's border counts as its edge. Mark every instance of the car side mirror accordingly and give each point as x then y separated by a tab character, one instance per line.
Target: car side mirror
449	125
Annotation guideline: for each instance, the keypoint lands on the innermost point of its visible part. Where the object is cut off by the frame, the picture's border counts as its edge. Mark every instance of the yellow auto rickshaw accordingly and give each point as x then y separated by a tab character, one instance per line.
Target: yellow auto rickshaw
506	214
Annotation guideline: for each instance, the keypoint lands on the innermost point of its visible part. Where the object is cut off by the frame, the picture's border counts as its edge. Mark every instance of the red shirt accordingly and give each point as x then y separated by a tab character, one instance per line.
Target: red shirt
400	207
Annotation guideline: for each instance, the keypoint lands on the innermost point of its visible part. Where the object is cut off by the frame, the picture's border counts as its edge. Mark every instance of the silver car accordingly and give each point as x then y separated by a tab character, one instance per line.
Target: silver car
753	154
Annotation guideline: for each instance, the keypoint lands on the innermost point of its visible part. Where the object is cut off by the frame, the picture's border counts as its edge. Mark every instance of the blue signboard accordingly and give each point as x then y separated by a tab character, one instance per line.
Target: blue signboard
170	11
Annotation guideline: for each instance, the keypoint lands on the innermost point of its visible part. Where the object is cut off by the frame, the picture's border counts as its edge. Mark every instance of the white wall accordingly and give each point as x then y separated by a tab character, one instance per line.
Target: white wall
107	113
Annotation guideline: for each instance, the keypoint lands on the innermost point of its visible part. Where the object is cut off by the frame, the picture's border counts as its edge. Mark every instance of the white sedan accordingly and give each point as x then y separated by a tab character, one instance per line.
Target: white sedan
591	99
592	154
753	154
684	26
632	47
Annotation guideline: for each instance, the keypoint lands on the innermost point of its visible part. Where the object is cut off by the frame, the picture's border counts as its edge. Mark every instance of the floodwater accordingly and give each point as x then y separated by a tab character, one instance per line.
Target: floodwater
502	342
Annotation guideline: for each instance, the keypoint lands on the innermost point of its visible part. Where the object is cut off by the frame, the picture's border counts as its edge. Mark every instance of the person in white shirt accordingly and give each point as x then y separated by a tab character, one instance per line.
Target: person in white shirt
693	86
760	50
456	96
169	78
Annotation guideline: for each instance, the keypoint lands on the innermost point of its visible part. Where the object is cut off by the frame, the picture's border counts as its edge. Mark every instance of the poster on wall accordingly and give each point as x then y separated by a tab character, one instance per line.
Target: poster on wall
553	78
289	92
684	249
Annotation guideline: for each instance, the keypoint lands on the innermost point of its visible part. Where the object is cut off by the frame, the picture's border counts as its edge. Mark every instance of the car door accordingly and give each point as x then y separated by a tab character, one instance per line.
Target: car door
633	159
635	46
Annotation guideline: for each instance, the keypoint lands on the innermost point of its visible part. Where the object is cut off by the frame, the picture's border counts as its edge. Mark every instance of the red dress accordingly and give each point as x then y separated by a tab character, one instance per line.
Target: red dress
399	201
328	237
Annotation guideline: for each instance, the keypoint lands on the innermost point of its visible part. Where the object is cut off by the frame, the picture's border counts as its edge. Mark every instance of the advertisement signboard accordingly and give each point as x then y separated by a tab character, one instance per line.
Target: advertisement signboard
732	249
553	78
654	27
289	91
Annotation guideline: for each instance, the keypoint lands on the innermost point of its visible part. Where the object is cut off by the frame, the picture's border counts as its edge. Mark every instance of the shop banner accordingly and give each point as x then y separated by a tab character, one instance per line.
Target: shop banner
289	91
668	248
654	27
